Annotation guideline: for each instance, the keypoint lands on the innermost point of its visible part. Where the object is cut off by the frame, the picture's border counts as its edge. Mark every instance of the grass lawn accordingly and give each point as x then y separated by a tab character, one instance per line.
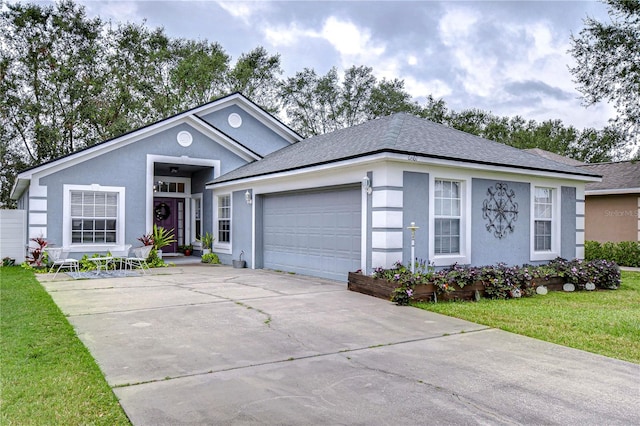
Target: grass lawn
604	322
47	376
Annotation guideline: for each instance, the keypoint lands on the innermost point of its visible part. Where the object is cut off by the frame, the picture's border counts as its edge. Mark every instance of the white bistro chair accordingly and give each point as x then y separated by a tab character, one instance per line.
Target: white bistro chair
139	258
58	258
121	256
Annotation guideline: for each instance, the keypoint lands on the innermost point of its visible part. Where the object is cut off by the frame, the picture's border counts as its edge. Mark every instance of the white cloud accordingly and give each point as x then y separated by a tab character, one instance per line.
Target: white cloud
348	39
421	88
114	11
477	70
242	10
287	36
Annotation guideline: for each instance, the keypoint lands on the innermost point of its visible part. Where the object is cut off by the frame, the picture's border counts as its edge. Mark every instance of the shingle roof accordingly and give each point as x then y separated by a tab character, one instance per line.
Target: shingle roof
399	133
622	175
555	157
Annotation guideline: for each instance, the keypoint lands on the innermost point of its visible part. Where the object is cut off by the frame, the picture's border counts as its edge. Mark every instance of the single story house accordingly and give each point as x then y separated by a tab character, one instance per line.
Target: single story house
320	206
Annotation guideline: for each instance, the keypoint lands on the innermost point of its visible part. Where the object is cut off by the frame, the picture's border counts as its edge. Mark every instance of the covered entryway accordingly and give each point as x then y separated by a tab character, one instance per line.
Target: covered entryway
313	233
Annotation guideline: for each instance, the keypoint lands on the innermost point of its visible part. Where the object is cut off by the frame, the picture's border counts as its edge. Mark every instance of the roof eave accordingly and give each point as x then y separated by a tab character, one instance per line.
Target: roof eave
587	177
612	191
19	186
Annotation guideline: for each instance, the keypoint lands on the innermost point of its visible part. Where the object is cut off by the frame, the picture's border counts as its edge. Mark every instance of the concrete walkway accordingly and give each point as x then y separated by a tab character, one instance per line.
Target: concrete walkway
201	344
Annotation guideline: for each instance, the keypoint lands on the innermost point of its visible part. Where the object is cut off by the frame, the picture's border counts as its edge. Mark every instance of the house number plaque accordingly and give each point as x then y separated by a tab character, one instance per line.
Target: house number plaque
500	210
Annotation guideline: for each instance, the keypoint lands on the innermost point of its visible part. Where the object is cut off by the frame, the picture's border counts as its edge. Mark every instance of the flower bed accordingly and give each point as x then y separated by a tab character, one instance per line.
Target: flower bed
471	283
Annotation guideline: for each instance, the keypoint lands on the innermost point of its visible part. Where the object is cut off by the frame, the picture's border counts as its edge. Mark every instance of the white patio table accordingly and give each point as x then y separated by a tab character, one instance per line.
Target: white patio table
102	263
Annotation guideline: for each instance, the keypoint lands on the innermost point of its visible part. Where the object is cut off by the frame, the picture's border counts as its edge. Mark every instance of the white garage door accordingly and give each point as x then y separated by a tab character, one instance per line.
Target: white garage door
313	233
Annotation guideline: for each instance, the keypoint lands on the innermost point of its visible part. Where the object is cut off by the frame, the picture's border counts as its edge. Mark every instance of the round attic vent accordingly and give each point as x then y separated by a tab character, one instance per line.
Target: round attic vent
184	138
234	120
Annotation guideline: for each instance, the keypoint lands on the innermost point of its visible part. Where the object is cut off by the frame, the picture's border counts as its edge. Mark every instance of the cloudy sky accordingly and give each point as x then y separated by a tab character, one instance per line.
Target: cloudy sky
507	57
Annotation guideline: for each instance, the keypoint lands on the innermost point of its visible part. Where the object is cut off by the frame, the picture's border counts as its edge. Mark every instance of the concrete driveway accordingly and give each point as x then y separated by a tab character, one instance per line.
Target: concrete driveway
215	345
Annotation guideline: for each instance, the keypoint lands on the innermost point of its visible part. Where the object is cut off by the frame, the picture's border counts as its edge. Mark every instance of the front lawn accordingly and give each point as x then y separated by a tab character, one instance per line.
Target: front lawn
47	376
605	322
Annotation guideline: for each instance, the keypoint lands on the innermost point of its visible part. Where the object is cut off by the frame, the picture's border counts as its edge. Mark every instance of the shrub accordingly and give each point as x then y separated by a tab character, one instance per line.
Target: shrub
625	253
210	258
500	281
602	273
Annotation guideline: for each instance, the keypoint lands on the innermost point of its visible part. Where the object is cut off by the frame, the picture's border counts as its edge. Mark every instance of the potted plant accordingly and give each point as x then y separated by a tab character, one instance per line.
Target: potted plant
162	238
207	241
146	240
187	249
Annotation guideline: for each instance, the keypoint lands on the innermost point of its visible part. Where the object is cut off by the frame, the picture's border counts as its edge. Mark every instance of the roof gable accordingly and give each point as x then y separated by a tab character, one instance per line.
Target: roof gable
191	117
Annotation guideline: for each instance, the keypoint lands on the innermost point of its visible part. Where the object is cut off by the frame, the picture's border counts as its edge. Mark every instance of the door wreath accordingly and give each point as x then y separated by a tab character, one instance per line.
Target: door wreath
162	211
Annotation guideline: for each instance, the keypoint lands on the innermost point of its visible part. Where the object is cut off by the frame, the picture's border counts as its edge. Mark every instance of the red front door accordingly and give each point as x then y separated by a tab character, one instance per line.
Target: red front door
165	214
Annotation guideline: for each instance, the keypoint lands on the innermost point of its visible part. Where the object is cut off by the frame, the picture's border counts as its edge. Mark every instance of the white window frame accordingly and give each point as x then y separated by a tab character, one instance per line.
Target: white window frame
66	222
555	224
464	257
218	246
194	236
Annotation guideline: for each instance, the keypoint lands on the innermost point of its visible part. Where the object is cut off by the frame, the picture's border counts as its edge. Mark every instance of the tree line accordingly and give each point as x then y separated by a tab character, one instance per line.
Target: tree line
68	82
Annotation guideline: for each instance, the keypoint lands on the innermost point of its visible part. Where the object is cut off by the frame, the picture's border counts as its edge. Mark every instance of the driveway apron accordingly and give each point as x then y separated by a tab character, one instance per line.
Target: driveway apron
198	344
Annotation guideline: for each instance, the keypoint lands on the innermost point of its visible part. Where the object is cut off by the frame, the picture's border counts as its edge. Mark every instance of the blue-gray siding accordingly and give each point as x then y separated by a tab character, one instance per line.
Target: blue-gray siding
415	201
568	223
252	133
126	167
512	249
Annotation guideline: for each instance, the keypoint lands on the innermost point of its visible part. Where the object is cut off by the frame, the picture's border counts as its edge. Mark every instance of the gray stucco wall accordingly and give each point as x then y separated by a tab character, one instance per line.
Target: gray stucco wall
241	227
568	223
126	167
198	180
251	133
369	231
415	202
258	202
514	248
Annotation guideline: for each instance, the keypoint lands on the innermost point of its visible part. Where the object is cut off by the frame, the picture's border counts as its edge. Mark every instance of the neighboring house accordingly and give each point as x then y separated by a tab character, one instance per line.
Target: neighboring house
613	205
322	206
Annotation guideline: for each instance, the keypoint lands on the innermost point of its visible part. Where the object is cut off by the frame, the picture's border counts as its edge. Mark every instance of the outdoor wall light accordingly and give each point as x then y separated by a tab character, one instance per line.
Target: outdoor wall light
413	228
247	197
174	170
366	184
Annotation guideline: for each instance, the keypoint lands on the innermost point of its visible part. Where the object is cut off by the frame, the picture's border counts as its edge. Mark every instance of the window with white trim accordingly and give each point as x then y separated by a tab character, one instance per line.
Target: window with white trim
94	217
543	219
447	217
224	219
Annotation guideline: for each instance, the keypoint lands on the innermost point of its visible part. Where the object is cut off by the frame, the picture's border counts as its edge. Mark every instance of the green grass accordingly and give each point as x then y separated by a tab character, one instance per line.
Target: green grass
47	376
604	322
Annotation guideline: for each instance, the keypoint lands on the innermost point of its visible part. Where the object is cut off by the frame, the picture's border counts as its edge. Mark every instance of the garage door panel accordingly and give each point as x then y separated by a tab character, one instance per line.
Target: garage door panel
313	233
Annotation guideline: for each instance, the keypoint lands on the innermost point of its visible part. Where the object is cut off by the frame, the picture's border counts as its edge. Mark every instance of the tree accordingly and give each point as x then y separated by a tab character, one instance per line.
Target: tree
311	101
68	82
608	63
256	75
197	72
388	97
319	104
49	77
